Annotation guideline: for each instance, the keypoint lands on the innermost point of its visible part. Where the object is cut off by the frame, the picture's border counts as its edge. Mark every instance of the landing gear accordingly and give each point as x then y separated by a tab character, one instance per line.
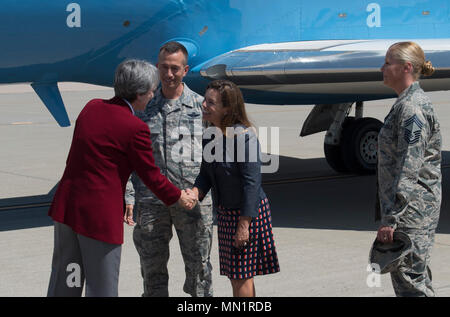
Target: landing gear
350	143
359	145
333	152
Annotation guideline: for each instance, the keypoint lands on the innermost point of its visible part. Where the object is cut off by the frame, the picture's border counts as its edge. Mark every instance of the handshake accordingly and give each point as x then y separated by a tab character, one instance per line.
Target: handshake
188	198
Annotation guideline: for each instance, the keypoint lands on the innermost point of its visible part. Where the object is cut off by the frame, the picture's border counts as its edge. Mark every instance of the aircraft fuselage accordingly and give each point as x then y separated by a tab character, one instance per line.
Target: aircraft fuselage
84	41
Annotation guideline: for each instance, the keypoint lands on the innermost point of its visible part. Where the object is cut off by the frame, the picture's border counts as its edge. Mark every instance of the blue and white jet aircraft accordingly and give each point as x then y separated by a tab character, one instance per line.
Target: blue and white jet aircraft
322	52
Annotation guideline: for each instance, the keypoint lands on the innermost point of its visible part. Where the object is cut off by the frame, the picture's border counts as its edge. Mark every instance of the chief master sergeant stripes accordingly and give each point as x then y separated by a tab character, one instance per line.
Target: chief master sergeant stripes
413	128
175	119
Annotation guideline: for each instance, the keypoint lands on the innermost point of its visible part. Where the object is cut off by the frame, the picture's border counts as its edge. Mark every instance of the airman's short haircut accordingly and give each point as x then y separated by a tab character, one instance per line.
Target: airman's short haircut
173	47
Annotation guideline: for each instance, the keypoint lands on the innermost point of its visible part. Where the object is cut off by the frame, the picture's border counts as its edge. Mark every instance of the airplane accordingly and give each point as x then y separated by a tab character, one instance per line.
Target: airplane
325	53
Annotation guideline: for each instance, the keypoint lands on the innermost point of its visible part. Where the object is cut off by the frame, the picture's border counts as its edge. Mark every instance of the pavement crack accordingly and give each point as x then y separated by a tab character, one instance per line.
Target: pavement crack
28	176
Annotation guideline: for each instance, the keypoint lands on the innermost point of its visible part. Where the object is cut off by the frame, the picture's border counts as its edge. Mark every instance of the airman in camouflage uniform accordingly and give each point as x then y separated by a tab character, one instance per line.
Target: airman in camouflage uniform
176	133
409	184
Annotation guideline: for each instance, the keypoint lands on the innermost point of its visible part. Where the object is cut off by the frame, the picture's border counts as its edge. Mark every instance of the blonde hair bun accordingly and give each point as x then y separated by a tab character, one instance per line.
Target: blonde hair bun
427	68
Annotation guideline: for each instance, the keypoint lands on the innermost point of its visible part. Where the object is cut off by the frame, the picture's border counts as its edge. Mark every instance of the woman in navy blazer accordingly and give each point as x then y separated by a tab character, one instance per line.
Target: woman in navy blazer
231	168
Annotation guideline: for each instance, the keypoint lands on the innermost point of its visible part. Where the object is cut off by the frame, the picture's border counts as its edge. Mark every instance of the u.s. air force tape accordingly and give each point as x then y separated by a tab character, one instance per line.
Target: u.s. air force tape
413	128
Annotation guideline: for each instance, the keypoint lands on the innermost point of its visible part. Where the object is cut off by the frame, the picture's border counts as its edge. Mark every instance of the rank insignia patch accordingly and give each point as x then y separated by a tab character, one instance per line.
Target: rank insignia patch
413	128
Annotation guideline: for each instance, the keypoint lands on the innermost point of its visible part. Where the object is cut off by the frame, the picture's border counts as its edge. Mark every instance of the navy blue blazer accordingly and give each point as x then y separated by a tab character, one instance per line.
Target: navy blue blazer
231	168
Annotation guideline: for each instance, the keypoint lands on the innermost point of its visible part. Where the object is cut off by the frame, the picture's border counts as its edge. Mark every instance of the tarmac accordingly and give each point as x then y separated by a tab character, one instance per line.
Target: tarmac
323	222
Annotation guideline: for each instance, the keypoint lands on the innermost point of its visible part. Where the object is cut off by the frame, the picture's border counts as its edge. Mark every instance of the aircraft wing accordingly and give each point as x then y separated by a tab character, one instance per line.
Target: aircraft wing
326	71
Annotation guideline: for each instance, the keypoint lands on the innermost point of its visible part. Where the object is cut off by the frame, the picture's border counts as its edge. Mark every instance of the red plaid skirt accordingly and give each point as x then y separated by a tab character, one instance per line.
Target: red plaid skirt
259	257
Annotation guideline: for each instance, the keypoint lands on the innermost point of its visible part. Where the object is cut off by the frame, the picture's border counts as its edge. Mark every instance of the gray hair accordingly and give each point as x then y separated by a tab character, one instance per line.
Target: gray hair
135	77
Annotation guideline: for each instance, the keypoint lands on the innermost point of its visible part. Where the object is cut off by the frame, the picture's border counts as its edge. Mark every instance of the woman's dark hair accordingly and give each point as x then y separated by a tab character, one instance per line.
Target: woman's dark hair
232	100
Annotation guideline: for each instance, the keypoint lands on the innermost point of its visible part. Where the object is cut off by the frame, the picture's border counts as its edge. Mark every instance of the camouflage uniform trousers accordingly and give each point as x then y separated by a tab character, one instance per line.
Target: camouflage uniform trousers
152	235
413	275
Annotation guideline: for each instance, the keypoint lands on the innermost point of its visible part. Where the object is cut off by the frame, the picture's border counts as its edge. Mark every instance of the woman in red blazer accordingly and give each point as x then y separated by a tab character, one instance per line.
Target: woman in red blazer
108	143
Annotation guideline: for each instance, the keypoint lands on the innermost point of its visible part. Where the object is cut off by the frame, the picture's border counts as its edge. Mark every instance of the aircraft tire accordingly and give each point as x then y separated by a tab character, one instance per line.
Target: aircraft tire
360	144
334	158
333	153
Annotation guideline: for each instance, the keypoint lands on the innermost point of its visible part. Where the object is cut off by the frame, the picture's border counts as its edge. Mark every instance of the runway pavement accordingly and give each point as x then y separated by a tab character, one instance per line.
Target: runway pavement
323	223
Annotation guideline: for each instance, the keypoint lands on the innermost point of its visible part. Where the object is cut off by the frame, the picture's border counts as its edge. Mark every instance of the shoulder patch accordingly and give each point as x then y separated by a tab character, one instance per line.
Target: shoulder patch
413	128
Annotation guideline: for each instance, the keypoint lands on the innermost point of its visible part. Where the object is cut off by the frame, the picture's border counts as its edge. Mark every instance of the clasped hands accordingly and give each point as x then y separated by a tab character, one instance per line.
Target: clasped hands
188	198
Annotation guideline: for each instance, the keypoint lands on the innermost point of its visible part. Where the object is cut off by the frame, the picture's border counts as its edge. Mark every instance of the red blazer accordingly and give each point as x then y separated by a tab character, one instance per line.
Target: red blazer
108	143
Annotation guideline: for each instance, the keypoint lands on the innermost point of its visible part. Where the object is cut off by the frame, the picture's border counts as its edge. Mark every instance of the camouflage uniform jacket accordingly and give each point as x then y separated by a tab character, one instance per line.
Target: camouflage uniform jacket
409	163
176	131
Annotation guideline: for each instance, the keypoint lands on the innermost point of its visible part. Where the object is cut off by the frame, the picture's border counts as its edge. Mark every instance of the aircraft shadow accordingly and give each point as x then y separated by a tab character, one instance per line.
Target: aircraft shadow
310	196
336	203
26	217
